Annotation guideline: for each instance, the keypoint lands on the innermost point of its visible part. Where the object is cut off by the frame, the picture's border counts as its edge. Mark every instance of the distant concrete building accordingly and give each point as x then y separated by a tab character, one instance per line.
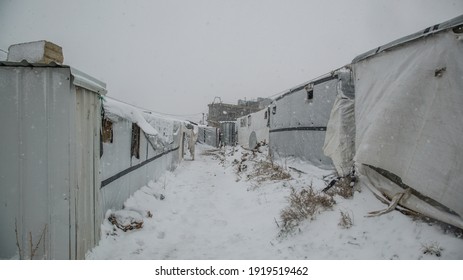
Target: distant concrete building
220	112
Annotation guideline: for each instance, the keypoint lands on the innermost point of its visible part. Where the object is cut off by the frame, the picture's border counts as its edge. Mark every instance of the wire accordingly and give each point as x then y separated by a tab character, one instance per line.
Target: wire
4	51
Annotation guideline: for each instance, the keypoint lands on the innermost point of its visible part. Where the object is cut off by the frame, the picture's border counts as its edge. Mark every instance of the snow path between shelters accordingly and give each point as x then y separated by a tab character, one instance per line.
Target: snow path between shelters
208	214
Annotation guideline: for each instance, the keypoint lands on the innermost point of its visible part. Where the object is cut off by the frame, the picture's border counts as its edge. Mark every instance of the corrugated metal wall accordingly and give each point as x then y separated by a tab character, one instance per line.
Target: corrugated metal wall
208	135
49	164
35	170
88	211
228	133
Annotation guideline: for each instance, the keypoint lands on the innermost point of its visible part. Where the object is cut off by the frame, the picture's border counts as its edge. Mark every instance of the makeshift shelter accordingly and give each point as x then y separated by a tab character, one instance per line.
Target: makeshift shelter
138	146
67	157
208	135
409	122
253	128
299	117
227	133
50	158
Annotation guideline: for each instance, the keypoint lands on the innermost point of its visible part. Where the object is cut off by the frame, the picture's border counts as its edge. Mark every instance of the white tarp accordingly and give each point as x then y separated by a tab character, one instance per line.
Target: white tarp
340	133
253	129
382	187
409	115
128	112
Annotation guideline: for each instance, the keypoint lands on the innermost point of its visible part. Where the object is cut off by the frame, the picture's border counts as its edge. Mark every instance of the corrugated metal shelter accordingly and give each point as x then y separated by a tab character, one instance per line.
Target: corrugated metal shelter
49	168
208	135
227	133
299	117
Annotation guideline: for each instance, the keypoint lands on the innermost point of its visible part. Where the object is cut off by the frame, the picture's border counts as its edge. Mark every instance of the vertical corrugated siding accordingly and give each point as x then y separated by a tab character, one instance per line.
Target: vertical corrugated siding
208	135
35	165
228	133
10	186
49	168
88	215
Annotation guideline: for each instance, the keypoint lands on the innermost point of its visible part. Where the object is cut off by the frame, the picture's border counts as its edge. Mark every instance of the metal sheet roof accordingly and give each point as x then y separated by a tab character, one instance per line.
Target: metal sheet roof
455	22
80	78
86	81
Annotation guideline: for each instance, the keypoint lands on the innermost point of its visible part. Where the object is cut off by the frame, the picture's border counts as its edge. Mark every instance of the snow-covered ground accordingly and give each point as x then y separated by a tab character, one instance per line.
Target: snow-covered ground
206	209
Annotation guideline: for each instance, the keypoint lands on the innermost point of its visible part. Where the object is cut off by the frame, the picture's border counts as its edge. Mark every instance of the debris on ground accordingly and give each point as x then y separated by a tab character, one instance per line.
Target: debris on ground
126	220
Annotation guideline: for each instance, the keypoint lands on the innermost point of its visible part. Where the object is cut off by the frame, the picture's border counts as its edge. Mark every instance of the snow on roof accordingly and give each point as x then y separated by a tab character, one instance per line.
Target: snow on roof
152	115
130	113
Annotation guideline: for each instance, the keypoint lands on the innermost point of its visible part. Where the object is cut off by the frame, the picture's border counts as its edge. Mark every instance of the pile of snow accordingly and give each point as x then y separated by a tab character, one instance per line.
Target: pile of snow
207	209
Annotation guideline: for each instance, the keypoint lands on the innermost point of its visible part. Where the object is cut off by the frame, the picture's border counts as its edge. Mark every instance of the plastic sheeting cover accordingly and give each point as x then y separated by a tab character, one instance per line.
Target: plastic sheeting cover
128	112
409	115
253	123
340	135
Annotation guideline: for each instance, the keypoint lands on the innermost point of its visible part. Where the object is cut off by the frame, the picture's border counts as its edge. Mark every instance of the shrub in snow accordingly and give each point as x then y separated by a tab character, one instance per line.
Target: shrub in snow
267	170
345	221
303	204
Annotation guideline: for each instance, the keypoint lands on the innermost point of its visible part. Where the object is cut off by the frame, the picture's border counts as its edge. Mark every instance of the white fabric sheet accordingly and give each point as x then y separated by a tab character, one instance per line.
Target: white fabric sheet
409	115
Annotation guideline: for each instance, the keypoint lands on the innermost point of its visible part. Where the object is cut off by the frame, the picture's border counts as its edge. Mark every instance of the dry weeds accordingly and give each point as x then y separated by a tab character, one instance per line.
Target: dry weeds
303	204
268	171
345	221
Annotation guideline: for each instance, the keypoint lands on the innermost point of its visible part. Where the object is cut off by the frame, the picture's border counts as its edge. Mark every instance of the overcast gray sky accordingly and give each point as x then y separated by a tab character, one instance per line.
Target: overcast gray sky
175	56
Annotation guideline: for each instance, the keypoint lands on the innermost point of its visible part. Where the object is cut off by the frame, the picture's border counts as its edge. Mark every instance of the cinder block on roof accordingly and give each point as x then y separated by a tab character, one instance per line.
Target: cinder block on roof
36	52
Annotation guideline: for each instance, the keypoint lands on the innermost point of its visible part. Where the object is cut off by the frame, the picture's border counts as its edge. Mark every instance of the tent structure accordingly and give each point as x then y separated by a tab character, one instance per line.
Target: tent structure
253	128
137	147
299	118
408	122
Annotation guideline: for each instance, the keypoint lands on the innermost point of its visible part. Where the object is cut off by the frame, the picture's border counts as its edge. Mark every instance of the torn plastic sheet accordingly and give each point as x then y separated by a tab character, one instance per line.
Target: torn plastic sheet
385	189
